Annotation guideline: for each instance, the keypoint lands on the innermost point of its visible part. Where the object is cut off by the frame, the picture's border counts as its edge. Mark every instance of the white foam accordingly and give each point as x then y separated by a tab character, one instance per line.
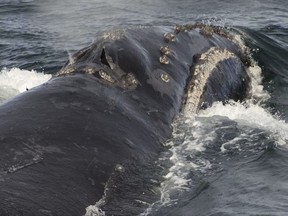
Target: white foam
251	115
196	131
93	210
202	130
189	137
14	81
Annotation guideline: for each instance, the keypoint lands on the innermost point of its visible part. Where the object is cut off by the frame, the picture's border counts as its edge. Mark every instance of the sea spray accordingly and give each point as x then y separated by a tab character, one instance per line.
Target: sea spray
14	81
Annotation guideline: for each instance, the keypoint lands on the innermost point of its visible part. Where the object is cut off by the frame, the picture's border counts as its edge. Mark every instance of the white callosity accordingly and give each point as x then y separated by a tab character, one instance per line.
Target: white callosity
207	63
257	92
113	35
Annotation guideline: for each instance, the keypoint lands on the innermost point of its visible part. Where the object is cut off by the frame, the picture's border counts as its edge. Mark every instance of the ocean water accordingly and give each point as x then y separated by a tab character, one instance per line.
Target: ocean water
226	160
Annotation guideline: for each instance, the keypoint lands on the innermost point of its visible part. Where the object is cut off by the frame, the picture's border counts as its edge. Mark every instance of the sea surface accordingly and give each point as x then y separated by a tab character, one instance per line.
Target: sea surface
226	160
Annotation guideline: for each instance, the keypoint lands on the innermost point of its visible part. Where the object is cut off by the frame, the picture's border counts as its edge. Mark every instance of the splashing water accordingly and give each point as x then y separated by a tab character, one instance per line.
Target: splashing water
14	81
250	115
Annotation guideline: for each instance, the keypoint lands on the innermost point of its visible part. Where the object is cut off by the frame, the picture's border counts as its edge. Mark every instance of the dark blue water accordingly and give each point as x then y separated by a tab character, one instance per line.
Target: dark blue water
227	160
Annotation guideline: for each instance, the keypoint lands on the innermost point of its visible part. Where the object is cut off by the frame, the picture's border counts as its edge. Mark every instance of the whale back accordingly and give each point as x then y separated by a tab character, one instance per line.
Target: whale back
109	109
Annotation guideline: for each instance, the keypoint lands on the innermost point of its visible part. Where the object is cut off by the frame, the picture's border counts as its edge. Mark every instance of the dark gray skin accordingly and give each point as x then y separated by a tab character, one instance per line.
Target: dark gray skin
112	104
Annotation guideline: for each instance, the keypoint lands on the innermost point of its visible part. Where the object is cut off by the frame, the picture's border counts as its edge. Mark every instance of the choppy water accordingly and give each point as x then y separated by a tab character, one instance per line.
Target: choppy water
224	160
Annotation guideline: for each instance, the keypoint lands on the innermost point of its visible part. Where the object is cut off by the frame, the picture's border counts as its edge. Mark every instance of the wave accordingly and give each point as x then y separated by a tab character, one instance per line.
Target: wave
15	81
203	142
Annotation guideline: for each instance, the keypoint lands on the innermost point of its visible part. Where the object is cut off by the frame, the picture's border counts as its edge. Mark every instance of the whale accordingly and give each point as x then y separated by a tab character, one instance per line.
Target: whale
73	141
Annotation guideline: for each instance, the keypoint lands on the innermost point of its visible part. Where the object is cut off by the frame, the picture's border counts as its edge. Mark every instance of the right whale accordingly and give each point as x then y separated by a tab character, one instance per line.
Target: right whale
83	135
